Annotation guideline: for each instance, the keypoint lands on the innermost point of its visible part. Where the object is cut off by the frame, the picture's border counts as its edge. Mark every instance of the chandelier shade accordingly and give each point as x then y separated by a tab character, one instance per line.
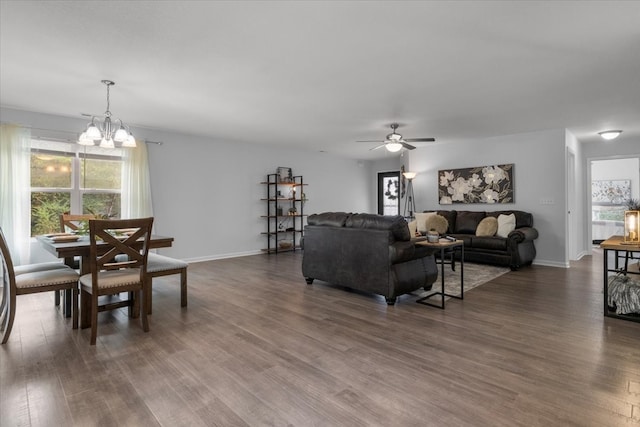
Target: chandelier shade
108	132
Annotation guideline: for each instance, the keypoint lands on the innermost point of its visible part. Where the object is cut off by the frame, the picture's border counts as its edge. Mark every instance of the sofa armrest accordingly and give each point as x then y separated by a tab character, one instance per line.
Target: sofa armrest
523	234
401	252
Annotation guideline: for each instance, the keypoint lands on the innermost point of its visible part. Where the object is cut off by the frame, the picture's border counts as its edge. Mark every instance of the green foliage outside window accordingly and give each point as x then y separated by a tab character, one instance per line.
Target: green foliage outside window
46	209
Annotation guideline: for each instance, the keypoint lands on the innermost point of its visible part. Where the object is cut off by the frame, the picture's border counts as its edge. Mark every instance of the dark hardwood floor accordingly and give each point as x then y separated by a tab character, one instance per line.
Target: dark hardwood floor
257	346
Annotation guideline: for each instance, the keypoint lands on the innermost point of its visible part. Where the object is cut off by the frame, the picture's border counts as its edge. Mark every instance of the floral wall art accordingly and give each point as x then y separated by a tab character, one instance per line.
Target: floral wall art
482	184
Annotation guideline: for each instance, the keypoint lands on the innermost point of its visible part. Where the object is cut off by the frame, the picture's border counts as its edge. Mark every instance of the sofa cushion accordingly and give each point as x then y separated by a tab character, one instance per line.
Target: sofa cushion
523	219
490	243
329	219
467	222
451	219
394	223
506	224
437	223
487	227
421	220
413	227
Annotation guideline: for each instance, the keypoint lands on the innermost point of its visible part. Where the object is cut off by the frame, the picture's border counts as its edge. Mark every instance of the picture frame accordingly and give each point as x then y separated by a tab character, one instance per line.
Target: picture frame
284	174
481	184
610	191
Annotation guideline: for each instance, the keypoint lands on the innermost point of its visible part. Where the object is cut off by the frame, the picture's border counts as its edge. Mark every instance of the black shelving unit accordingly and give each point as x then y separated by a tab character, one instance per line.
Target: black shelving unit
284	213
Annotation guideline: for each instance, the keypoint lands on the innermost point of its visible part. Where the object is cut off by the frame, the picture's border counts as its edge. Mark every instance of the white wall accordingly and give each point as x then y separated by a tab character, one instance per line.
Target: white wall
206	194
539	176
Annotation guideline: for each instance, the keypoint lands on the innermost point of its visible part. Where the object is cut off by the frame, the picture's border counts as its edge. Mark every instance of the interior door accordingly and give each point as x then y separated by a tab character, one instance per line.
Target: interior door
389	193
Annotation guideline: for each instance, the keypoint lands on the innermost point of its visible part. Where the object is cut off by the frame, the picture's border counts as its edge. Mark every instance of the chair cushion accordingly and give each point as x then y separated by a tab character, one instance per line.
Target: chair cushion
157	263
43	266
38	279
113	278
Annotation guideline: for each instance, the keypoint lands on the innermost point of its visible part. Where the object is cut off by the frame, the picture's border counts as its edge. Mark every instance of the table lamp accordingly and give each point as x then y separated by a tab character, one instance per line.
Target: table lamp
631	224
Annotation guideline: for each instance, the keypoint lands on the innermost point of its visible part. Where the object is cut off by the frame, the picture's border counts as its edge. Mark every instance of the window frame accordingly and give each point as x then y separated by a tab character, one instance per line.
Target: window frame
77	153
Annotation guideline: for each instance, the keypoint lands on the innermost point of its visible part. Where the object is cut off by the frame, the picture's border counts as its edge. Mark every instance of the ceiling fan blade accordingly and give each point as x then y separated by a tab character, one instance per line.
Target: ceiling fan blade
377	140
375	148
407	146
420	139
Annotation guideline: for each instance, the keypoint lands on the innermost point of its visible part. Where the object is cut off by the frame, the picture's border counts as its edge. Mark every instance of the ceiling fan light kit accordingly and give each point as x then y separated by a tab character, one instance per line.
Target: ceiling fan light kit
394	142
106	132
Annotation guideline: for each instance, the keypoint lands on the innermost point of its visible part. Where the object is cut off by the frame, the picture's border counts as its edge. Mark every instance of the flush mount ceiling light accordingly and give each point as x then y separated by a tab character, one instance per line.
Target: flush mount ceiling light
106	131
610	134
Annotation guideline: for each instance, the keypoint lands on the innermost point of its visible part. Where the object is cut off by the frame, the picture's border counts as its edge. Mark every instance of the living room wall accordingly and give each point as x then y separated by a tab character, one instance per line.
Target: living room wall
539	181
206	193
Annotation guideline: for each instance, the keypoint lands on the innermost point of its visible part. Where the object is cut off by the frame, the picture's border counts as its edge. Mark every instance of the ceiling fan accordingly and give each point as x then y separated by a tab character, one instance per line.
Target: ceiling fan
395	142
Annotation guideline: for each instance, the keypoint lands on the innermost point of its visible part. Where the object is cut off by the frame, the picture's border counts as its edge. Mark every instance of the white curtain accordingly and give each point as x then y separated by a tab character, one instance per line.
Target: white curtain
15	190
136	183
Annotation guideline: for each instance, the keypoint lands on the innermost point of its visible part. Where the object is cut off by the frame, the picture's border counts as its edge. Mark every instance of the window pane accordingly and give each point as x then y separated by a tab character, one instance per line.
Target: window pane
50	170
100	174
102	205
46	209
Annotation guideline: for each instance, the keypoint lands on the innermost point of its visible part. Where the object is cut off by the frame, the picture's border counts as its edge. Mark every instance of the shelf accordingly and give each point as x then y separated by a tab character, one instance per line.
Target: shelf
284	203
275	233
282	216
272	251
290	184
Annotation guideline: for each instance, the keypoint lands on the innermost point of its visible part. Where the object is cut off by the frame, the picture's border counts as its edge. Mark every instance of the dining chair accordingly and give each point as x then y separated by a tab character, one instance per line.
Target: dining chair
29	279
111	276
160	265
72	223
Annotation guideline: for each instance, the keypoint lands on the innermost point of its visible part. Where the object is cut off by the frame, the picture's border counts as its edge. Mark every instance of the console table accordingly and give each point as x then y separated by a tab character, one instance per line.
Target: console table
444	245
616	244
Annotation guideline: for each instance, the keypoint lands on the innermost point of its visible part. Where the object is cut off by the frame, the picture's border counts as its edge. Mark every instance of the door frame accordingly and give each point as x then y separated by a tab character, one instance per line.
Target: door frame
380	189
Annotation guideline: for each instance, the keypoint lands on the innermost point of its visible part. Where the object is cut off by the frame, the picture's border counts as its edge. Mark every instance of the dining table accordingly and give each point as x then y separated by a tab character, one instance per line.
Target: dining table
62	245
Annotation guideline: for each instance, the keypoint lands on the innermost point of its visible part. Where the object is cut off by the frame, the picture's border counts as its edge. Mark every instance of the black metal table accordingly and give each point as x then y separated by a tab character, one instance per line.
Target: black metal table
616	244
451	246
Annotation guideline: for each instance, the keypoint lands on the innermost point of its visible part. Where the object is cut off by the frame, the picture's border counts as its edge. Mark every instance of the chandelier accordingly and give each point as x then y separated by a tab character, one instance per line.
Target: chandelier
106	132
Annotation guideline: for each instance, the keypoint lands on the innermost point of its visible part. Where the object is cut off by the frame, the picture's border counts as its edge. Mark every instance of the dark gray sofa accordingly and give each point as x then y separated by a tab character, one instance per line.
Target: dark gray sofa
515	251
368	252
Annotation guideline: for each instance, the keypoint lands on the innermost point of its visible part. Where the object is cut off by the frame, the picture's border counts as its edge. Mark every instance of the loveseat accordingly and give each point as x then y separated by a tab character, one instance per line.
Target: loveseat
368	252
515	250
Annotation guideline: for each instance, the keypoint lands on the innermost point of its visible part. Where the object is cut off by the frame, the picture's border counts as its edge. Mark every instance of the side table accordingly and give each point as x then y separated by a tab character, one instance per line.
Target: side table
616	244
443	245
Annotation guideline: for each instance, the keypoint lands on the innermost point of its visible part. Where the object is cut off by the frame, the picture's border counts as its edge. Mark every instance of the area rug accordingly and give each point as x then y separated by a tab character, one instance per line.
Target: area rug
474	276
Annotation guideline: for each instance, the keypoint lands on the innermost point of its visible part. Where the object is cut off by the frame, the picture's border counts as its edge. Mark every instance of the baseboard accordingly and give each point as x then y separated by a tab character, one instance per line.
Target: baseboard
551	263
223	256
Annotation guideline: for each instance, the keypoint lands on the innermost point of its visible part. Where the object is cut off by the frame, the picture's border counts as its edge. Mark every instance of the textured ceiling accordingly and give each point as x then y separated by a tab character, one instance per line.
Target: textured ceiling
321	75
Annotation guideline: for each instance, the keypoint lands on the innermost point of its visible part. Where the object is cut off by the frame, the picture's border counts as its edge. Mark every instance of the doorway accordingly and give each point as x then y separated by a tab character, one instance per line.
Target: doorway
389	193
613	183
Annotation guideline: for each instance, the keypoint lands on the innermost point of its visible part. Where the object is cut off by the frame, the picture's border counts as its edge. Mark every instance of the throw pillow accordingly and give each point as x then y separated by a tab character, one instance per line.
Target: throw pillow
487	227
506	224
413	227
421	220
438	223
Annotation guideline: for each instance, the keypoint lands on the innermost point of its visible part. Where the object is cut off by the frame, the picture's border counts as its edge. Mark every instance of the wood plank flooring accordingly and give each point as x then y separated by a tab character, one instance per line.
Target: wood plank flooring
257	346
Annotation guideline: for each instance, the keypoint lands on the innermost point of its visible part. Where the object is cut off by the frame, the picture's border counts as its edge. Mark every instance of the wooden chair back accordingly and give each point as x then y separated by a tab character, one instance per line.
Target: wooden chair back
69	222
33	278
126	239
8	275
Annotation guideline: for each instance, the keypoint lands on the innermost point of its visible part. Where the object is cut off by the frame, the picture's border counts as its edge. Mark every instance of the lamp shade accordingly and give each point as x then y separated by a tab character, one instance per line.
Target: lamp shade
409	175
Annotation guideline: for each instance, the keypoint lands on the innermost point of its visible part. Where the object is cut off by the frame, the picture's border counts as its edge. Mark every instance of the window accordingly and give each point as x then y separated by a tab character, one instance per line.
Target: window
72	178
